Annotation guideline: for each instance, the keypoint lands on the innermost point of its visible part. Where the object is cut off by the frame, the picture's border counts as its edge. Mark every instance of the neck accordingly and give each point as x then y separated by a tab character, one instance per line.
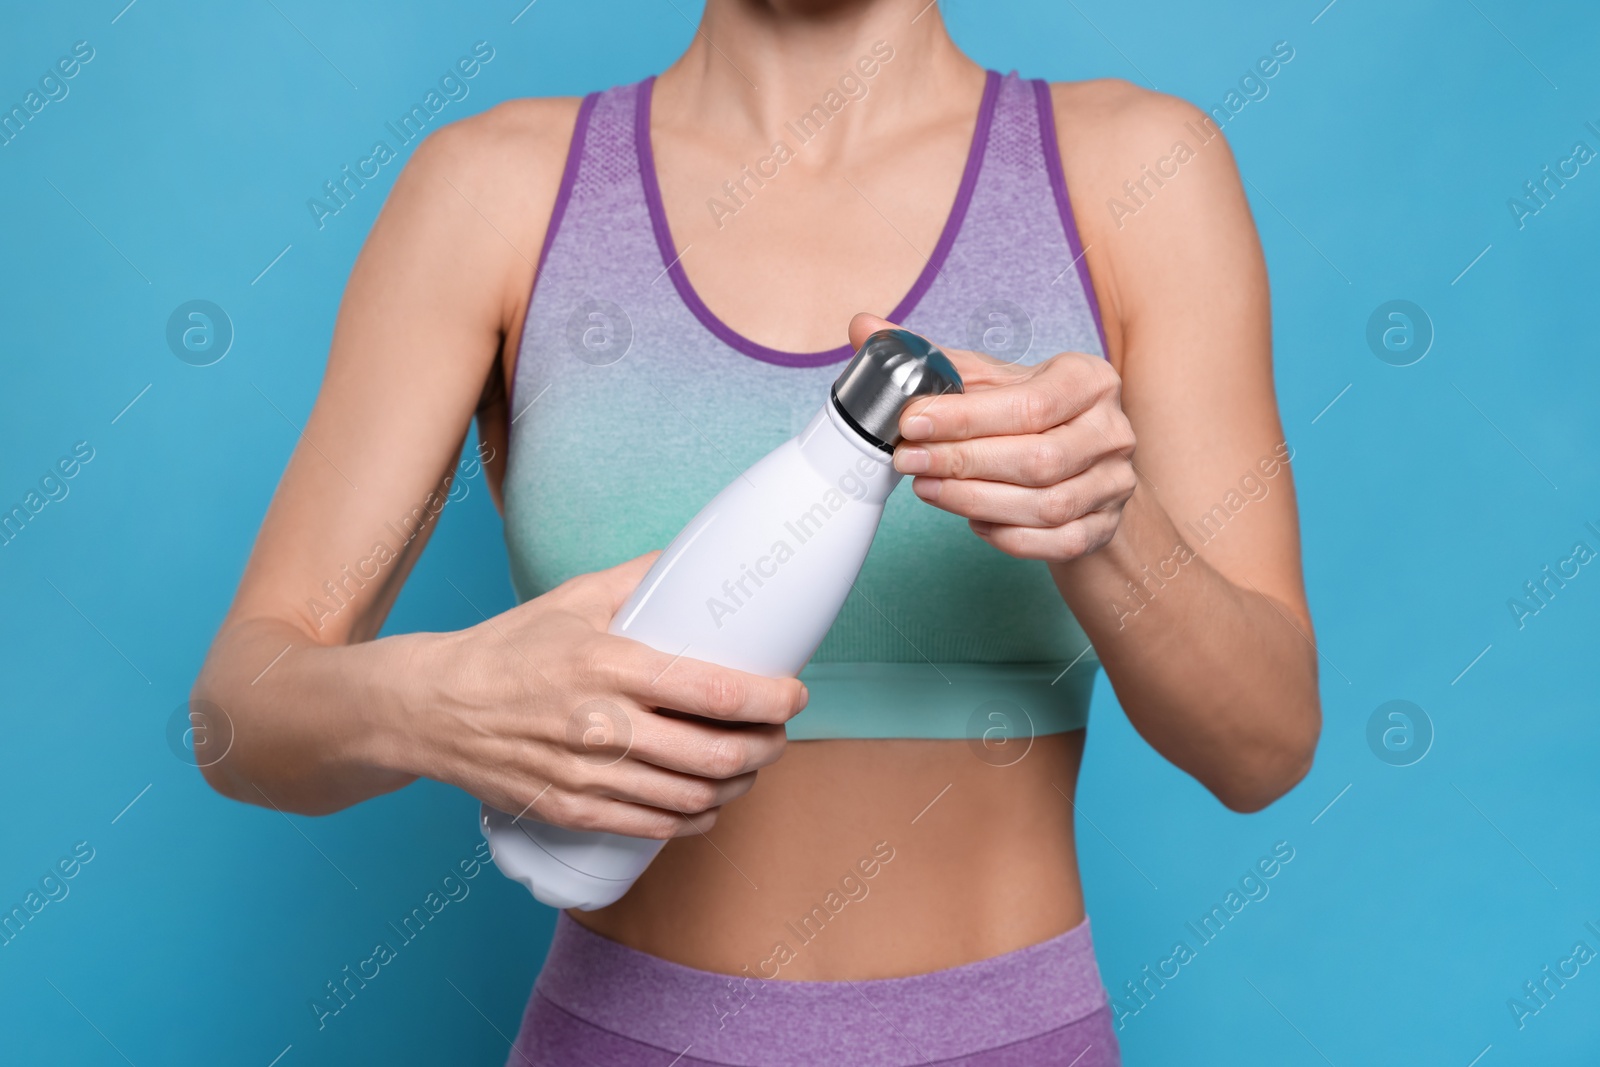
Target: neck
753	66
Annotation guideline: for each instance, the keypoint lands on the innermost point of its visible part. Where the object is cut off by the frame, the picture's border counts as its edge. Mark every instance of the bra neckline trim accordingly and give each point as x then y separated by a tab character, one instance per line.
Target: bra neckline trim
672	259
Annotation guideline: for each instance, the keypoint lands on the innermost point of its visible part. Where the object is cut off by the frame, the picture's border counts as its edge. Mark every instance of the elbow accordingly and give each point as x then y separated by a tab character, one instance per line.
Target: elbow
225	780
210	742
1248	795
233	781
1273	770
207	742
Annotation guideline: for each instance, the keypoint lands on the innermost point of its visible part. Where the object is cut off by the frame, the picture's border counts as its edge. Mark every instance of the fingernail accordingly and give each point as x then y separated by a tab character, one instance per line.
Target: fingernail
917	427
912	460
928	488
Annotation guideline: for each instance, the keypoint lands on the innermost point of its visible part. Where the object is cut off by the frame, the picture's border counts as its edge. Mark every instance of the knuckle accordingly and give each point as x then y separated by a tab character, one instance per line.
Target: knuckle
1103	373
1057	402
1059	506
1127	480
775	745
1035	406
562	809
1042	464
724	757
722	693
594	661
700	823
1074	539
659	826
697	795
585	779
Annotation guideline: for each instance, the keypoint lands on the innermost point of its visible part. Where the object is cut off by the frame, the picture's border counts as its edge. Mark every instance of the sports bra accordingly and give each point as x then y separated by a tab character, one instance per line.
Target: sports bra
633	404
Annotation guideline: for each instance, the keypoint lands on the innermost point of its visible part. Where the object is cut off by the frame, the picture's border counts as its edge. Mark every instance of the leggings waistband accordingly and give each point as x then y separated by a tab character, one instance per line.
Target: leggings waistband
748	1020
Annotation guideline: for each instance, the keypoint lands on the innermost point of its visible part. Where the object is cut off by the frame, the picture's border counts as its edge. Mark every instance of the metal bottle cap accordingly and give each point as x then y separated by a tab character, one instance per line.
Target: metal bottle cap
893	368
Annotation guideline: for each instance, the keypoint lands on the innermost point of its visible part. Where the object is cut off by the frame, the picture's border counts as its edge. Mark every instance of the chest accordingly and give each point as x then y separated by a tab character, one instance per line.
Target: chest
840	228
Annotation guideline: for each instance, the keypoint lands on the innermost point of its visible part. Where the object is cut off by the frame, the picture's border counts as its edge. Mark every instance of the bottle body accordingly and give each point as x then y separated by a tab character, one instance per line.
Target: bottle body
753	582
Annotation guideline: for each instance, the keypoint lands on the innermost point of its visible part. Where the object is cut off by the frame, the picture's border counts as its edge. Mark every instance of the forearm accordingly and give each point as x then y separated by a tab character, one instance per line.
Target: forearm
1218	677
304	727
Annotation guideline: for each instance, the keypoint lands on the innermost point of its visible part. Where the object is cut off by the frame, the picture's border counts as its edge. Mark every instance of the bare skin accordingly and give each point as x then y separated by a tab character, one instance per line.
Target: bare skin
1096	467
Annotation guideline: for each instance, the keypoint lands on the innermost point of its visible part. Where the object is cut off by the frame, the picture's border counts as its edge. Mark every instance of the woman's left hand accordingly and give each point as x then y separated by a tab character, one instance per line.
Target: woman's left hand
1038	459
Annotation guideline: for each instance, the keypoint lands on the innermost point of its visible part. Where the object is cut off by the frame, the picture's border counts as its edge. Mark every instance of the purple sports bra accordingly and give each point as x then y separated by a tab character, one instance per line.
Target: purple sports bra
633	404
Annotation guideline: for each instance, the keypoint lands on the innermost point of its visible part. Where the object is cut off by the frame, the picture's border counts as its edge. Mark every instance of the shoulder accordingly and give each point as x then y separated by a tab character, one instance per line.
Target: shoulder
482	188
509	158
1150	177
513	153
1112	132
1110	108
518	133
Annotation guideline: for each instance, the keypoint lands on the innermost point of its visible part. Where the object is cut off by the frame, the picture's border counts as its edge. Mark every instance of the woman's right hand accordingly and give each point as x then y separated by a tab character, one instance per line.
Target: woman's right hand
540	712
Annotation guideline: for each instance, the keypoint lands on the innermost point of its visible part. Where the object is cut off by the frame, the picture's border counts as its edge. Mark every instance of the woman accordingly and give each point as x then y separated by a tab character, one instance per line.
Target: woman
901	886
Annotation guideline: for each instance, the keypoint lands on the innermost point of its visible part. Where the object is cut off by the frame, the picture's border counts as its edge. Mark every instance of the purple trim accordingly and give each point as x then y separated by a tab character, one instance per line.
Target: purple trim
731	337
569	177
614	998
1058	185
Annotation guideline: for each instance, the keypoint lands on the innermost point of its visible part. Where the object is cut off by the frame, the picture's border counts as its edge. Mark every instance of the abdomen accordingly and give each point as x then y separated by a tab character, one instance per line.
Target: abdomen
982	862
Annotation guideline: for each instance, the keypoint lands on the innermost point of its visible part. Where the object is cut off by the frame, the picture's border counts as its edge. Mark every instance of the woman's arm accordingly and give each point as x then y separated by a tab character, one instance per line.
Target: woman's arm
1182	563
322	715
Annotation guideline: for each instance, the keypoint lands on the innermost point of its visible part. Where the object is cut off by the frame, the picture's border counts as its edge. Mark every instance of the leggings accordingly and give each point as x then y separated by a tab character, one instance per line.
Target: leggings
599	1002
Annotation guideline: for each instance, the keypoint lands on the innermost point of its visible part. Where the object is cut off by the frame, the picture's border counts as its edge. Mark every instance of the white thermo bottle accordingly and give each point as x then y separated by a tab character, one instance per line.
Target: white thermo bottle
753	582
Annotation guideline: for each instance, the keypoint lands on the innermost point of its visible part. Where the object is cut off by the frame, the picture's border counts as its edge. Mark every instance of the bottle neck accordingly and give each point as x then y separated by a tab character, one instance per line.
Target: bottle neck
843	456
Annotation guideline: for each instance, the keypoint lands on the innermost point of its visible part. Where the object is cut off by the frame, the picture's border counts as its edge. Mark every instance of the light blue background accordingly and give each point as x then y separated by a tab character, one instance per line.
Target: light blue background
1380	164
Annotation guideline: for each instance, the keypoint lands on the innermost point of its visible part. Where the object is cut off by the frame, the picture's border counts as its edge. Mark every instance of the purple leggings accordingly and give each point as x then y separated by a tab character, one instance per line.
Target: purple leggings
599	1002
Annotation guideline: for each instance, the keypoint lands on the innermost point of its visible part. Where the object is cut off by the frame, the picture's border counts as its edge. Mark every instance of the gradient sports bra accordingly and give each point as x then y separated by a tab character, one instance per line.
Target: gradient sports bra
633	404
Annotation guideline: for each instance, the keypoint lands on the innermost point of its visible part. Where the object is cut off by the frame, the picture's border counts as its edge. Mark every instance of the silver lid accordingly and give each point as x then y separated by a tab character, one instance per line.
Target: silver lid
892	369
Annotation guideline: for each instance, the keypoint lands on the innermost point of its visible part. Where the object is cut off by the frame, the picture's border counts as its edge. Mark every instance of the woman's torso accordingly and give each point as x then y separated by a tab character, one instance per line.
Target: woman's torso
636	395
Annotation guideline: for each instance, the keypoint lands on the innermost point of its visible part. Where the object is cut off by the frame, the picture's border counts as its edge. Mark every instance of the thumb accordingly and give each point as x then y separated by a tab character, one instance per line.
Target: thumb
976	368
602	593
864	325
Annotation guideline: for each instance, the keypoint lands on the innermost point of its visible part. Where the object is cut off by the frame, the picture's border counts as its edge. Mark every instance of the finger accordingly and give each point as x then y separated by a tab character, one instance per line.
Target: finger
1017	505
1024	459
700	688
705	749
1022	400
979	370
1033	404
641	783
583	811
1077	538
